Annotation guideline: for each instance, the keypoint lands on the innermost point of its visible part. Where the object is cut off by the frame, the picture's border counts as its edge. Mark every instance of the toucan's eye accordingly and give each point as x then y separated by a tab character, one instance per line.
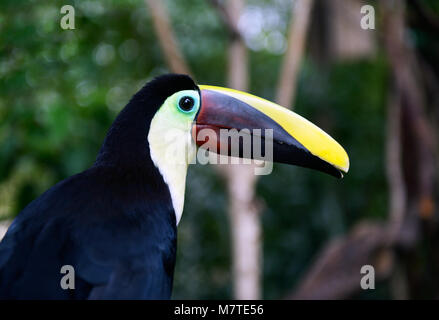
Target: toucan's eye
186	103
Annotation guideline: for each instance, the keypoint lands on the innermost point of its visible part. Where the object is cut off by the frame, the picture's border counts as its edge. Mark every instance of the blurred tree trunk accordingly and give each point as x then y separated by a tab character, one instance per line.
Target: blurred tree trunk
286	91
244	210
417	143
336	33
244	207
347	40
4	225
165	35
244	213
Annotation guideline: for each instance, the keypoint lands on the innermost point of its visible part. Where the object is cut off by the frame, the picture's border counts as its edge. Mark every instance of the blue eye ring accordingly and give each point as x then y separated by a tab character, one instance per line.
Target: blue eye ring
186	104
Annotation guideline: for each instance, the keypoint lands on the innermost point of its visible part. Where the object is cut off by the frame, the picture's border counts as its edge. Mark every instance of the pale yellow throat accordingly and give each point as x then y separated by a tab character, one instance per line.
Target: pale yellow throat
172	149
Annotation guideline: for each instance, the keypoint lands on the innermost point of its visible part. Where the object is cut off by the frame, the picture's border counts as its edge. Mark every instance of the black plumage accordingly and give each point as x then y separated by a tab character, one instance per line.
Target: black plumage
114	223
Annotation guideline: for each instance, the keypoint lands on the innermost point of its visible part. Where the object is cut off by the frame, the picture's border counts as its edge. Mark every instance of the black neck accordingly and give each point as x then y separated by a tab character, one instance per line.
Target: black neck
126	144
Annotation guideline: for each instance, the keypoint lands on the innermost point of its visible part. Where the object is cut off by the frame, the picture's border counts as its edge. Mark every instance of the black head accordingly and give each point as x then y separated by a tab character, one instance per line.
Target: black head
155	92
126	143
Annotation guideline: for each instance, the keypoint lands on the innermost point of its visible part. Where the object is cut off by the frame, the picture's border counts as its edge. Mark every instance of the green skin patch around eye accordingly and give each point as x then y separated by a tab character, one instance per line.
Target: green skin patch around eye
171	144
175	113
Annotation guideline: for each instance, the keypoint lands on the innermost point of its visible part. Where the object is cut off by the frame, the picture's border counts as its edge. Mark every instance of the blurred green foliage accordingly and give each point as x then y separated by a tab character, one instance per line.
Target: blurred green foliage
61	89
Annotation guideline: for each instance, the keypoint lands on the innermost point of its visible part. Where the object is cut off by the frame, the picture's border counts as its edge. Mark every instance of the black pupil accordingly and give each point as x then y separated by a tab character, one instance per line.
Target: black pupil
186	103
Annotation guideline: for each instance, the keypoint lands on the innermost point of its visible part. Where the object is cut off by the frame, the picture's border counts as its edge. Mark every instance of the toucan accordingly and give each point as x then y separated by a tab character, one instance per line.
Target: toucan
114	225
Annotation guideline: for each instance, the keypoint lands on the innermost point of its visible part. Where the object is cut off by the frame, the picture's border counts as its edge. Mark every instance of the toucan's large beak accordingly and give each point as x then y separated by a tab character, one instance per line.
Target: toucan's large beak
295	140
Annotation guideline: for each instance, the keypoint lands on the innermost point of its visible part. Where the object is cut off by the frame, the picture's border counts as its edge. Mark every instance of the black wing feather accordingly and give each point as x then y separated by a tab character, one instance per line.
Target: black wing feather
119	237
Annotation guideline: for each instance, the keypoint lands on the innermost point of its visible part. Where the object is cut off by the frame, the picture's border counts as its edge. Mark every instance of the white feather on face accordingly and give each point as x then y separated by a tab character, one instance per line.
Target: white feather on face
171	145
